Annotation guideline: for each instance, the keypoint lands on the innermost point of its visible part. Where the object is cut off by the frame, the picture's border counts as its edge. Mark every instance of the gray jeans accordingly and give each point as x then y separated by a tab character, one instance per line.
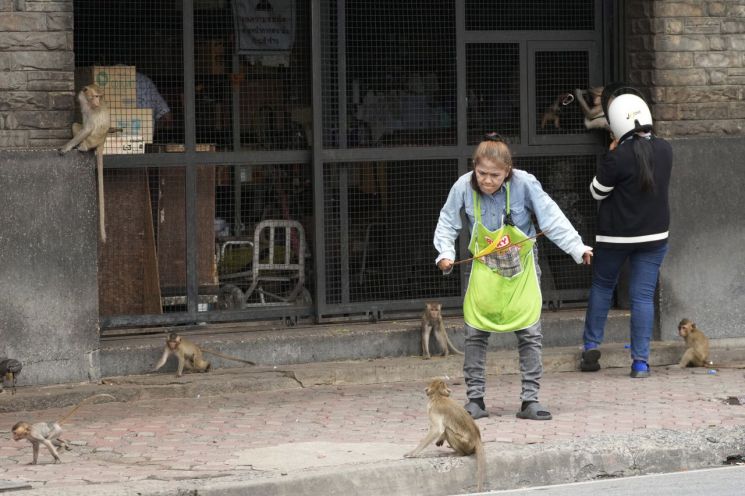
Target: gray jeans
529	346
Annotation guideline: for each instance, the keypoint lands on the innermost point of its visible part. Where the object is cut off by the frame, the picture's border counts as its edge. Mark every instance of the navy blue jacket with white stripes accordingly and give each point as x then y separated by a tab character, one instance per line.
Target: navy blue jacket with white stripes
628	216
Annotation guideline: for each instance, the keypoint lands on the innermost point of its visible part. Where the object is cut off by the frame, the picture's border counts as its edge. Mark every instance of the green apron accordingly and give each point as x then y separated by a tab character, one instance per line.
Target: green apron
503	291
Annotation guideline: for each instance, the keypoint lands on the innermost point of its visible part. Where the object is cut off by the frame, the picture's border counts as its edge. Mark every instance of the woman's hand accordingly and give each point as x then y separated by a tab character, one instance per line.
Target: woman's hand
445	264
587	256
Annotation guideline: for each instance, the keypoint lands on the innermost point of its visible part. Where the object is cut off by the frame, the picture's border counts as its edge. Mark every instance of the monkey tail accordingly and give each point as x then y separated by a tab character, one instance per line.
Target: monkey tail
228	357
101	201
480	466
452	346
83	402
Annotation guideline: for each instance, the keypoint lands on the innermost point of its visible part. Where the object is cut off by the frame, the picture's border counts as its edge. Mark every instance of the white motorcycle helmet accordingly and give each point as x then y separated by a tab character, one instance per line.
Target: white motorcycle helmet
628	114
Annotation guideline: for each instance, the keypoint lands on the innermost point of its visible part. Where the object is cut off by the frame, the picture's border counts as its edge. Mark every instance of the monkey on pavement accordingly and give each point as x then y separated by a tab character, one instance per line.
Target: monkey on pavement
448	421
48	433
92	136
697	345
432	320
697	349
189	354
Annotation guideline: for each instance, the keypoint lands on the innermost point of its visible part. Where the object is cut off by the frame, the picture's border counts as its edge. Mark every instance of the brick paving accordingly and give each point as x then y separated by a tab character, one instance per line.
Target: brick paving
169	439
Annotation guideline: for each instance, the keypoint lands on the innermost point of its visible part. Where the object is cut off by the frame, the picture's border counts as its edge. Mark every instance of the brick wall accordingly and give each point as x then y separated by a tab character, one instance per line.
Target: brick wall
36	73
689	57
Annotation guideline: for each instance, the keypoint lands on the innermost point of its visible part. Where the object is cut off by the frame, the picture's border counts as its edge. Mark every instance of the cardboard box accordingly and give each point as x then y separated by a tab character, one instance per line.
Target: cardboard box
133	122
180	148
119	83
124	145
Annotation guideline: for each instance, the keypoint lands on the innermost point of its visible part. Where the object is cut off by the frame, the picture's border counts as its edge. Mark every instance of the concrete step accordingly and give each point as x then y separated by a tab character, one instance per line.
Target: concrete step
279	345
360	371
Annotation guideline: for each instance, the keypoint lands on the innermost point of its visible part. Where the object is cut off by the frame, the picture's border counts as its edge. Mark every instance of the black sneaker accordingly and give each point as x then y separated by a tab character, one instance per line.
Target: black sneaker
589	362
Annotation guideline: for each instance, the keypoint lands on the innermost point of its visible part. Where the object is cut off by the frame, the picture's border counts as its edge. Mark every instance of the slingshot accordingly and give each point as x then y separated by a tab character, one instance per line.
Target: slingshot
493	247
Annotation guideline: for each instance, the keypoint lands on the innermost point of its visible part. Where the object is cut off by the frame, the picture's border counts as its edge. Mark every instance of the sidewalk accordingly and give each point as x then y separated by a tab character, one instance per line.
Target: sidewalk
343	427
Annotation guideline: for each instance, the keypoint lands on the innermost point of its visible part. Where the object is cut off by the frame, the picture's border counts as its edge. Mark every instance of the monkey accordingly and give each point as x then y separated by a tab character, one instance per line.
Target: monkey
189	354
697	348
91	135
48	433
697	345
448	421
594	115
551	114
432	319
9	370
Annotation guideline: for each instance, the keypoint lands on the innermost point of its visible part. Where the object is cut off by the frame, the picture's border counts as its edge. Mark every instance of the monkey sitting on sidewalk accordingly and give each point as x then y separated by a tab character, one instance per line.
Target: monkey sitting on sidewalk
697	345
448	421
697	349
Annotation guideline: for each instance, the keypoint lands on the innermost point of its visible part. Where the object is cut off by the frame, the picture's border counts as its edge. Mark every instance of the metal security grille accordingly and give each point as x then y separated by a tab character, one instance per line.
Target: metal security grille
260	267
544	15
135	53
493	88
142	266
333	113
566	179
220	207
213	66
557	76
400	72
379	229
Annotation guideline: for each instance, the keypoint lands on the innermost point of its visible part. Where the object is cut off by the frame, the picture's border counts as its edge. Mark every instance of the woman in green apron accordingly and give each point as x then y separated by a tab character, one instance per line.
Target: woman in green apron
504	293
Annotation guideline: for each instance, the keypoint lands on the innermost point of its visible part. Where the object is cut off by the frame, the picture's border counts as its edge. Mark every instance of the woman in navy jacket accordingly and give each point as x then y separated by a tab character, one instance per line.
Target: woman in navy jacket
632	186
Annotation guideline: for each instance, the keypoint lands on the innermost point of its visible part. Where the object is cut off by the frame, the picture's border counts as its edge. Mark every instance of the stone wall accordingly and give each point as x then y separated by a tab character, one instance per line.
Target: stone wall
689	57
36	73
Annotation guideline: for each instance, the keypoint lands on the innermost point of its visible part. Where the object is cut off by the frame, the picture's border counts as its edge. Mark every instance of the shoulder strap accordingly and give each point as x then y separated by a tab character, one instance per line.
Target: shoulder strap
476	205
508	216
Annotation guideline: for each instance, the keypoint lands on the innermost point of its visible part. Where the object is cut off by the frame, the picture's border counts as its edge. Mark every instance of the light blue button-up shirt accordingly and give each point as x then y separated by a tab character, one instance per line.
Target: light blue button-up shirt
526	198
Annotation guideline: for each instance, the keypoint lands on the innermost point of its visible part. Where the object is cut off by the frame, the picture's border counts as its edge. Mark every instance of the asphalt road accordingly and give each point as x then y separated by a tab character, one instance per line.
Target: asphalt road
726	481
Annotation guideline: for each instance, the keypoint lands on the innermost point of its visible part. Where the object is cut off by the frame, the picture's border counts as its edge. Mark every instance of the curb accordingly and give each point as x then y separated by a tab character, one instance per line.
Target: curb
597	457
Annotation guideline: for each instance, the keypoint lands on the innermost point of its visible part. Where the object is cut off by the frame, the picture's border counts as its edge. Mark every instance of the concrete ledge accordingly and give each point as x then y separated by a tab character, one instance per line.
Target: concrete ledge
296	376
120	356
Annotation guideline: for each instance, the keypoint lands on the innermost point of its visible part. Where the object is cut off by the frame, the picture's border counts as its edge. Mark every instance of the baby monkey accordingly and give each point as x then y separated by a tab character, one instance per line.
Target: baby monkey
448	421
697	345
432	320
48	433
189	355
